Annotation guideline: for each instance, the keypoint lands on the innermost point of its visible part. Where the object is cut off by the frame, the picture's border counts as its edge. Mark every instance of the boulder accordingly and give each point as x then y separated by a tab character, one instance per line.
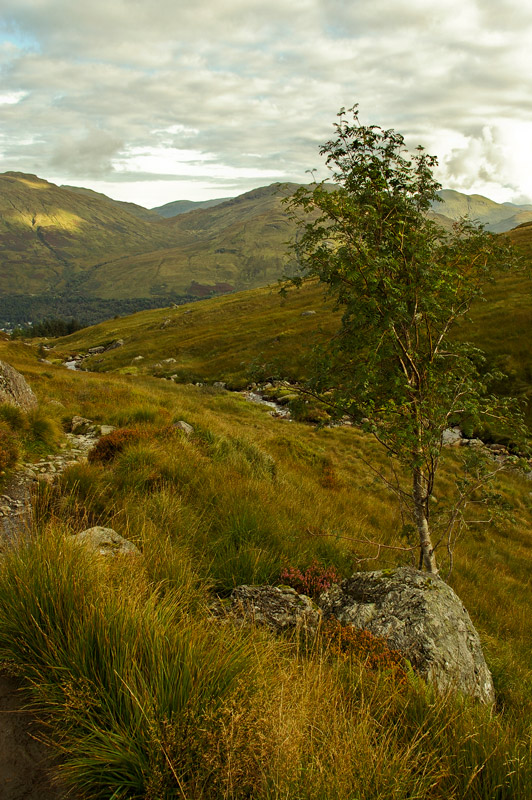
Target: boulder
452	436
279	608
187	429
115	344
419	615
14	389
307	313
105	542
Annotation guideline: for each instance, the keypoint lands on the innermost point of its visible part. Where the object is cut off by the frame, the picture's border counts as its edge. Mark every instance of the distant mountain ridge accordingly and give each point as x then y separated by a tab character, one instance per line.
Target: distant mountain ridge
74	243
496	217
177	207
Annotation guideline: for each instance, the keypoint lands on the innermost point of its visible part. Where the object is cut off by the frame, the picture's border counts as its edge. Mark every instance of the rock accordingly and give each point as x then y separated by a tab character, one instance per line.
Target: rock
219	384
472	442
307	313
419	615
81	425
451	436
164	324
281	609
187	429
14	388
169	360
138	358
105	542
115	344
105	430
95	350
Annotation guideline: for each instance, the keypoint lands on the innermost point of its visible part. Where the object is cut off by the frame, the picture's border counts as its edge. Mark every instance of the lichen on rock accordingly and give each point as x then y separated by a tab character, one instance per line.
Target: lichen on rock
422	617
14	389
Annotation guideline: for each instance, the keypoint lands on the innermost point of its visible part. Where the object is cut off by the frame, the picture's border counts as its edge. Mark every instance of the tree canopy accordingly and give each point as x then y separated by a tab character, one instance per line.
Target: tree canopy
403	284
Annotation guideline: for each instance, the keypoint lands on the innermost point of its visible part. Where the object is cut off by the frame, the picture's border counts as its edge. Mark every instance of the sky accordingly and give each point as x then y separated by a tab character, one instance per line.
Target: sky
197	99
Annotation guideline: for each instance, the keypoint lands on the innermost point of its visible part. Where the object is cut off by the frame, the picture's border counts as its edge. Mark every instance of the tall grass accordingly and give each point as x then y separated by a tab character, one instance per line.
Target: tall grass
124	674
148	697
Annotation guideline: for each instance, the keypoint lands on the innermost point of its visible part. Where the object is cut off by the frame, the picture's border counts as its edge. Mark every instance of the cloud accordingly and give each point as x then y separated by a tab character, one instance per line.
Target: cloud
112	90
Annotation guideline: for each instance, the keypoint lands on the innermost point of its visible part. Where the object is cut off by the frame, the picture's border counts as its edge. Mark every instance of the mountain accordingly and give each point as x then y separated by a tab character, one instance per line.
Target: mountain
496	217
177	207
49	235
83	247
98	257
133	208
238	244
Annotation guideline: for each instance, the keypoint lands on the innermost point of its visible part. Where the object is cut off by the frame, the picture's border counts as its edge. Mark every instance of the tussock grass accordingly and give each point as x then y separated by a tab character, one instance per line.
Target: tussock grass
140	686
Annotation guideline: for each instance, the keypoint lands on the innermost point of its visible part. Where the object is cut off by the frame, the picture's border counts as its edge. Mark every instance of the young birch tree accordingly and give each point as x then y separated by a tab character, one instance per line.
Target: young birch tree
403	283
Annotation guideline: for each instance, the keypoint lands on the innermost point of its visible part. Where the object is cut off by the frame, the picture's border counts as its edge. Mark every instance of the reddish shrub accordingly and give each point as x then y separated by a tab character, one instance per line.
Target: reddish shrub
317	578
108	446
345	641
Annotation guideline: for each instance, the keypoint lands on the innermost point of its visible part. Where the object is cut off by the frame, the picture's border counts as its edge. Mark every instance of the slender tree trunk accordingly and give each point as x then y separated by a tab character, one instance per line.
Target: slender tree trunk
428	557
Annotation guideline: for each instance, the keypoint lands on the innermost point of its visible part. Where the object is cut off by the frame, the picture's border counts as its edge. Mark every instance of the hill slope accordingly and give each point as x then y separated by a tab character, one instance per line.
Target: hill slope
496	217
49	235
238	244
60	240
68	249
176	207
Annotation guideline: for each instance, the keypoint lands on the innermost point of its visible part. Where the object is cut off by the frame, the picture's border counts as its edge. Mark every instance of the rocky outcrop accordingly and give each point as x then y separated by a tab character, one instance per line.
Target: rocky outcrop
14	388
419	615
105	542
279	608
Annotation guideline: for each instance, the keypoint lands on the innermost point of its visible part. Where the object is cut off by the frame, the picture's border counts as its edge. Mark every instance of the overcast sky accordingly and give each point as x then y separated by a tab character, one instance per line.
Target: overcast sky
172	99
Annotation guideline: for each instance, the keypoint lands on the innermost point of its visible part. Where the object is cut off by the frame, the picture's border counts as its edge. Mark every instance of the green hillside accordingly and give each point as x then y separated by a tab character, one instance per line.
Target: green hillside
75	244
496	217
49	236
238	244
133	208
231	338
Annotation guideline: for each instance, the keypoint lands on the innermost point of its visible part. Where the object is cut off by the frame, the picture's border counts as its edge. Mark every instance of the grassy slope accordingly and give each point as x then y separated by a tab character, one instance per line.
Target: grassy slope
219	339
210	510
241	242
49	233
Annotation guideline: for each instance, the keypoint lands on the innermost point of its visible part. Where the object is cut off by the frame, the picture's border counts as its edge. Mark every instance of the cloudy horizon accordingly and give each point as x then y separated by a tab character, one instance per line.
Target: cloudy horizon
158	102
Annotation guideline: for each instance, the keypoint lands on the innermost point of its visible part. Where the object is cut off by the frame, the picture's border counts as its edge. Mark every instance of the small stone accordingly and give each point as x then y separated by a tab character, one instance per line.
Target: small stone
187	429
105	542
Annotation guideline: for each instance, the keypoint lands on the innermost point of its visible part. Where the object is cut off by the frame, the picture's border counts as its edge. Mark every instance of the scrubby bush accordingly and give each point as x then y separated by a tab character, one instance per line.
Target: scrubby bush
314	580
108	446
43	429
346	641
13	416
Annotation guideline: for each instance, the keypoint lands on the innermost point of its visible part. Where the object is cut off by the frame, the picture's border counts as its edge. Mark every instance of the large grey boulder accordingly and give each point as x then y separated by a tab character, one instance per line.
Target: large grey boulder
279	608
14	389
105	542
422	617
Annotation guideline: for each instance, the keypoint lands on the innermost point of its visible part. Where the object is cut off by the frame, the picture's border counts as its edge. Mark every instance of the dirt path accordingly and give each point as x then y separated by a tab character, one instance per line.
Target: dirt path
25	762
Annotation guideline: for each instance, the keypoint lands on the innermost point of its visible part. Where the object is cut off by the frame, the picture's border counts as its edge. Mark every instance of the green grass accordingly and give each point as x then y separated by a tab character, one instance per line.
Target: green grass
148	698
257	334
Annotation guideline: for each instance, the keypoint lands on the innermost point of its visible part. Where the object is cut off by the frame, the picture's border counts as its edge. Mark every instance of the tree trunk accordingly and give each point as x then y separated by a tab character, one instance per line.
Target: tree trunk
428	557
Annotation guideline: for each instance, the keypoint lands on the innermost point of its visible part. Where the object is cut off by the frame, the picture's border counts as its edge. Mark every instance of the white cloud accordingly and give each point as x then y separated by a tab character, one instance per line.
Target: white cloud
112	91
